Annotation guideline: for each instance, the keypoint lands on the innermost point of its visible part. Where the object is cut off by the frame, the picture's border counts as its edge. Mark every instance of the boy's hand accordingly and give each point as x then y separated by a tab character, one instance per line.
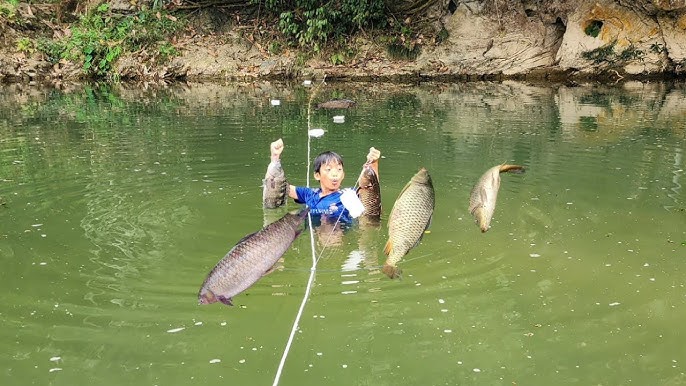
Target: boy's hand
276	148
373	155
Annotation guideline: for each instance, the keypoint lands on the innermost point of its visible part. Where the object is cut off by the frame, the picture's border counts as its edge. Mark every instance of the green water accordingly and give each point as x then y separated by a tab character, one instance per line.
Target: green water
119	200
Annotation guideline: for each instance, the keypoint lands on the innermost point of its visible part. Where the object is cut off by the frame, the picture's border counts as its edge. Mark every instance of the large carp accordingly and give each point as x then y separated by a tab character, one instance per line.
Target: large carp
409	218
250	259
485	192
369	192
275	186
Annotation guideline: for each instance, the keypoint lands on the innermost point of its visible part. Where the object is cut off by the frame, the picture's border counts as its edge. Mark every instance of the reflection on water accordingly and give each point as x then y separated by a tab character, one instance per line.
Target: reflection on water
120	199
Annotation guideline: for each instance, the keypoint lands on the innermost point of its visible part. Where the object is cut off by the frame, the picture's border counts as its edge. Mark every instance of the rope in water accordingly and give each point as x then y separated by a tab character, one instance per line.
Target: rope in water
313	269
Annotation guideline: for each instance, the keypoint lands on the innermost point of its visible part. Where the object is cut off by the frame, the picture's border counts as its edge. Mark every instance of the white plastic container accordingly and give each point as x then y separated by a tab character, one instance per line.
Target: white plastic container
352	203
316	133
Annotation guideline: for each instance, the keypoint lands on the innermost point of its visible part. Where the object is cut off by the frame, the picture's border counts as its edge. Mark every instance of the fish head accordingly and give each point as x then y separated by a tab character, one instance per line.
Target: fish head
422	177
368	177
206	297
482	218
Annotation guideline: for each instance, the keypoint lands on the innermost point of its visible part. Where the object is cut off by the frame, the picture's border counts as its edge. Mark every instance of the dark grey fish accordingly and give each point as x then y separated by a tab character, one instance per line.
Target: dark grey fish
337	104
410	217
369	192
275	186
485	193
251	258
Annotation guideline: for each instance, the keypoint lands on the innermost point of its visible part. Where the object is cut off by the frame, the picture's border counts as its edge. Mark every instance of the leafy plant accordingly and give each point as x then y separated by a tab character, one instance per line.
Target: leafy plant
166	51
8	9
607	54
25	44
337	58
600	54
658	48
312	23
631	53
99	38
593	28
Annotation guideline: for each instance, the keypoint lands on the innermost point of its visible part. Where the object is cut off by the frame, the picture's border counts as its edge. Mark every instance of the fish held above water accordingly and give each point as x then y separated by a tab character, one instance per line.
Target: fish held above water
337	104
410	217
274	186
485	193
369	192
251	258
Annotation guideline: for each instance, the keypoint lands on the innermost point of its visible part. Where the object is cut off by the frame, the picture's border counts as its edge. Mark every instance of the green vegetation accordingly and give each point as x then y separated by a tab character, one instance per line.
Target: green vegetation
25	45
398	49
99	38
600	54
658	48
95	37
593	28
607	54
312	23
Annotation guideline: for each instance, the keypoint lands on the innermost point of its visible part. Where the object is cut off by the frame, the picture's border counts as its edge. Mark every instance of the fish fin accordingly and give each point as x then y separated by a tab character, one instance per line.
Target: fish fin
392	271
388	248
225	300
505	168
270	270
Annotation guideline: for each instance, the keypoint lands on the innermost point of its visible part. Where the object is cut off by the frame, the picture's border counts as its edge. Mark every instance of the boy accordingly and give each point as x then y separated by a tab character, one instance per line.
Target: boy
328	170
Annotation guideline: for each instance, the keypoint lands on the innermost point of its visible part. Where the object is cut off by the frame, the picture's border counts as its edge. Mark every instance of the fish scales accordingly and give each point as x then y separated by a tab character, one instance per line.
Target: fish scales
250	259
275	186
484	194
409	219
369	192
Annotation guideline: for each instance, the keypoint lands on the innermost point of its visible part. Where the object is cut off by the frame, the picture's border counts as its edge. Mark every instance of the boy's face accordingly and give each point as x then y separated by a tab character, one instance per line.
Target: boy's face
330	176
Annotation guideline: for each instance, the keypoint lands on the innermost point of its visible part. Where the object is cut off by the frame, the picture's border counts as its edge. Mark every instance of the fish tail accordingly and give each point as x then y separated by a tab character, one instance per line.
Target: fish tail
392	271
506	168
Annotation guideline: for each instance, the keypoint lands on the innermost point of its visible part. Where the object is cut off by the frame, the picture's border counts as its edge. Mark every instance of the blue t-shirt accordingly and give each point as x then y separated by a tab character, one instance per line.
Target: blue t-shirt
329	206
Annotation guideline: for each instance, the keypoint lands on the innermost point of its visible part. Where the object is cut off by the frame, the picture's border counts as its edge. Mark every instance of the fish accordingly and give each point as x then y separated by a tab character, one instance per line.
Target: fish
275	186
484	194
337	104
369	192
409	219
253	257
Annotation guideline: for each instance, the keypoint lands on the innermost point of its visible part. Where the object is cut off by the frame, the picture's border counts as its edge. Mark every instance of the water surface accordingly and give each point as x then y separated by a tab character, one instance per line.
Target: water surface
118	200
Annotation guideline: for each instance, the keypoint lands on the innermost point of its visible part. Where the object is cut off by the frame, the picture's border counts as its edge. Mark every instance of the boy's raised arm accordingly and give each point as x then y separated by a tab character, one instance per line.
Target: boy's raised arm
276	148
373	159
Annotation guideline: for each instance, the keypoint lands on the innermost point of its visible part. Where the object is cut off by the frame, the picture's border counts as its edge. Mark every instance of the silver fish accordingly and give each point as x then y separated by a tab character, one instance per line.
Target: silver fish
275	186
485	193
251	258
410	217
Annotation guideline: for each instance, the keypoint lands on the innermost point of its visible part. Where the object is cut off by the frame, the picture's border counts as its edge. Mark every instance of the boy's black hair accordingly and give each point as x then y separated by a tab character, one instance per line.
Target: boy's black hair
326	157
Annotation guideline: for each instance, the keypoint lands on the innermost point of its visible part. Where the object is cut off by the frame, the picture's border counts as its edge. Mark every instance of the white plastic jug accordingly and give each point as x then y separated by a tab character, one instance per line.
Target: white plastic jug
352	203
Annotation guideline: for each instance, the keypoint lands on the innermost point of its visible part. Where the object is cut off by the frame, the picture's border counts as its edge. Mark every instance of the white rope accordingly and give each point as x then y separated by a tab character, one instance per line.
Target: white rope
313	269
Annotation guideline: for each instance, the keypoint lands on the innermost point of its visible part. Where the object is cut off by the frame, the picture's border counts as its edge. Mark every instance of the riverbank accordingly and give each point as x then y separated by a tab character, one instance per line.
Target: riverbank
550	41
